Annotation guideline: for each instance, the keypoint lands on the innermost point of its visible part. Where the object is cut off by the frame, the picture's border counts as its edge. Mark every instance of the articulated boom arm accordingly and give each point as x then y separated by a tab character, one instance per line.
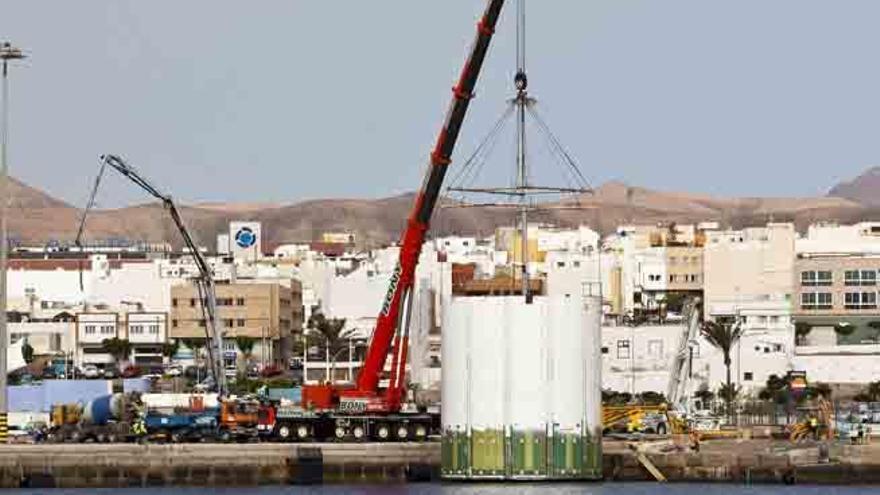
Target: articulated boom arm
205	282
391	332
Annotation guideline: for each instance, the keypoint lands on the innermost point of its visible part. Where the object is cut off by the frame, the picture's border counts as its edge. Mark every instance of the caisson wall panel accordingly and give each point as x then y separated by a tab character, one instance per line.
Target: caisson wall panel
521	389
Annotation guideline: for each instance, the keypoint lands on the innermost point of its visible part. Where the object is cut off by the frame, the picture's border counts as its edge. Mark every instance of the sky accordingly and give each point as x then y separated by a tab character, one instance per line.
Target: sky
282	101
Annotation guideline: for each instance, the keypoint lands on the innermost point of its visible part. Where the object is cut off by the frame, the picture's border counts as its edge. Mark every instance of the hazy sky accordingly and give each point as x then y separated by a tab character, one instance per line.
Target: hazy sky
297	99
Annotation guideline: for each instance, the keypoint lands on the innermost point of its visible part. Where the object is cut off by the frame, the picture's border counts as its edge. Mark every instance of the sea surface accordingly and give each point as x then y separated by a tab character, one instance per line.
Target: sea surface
481	489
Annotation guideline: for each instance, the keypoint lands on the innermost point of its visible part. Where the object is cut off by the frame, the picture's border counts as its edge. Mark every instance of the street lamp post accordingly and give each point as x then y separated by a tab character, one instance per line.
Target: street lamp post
7	53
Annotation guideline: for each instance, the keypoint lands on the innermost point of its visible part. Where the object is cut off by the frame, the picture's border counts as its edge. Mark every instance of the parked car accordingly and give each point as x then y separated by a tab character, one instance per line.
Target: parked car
271	370
132	372
174	370
110	373
91	371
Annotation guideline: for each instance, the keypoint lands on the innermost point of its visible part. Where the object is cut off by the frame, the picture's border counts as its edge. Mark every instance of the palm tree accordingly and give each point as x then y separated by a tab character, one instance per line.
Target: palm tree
246	346
118	348
723	335
170	348
332	335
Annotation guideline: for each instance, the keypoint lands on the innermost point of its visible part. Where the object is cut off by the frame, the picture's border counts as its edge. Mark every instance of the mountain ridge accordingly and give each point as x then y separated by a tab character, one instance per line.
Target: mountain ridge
37	217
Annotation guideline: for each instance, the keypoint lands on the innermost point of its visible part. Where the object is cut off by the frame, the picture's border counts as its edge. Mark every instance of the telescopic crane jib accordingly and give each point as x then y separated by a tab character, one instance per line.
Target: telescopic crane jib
205	281
391	333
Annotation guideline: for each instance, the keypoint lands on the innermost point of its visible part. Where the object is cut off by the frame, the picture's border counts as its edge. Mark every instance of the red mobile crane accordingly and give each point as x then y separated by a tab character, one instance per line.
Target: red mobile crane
391	333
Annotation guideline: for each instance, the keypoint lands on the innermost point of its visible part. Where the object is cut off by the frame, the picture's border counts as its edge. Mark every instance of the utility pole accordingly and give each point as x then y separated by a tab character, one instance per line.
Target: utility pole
7	53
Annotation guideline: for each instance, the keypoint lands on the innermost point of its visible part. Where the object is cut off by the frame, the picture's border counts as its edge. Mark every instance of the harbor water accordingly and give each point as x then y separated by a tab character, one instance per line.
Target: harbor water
484	489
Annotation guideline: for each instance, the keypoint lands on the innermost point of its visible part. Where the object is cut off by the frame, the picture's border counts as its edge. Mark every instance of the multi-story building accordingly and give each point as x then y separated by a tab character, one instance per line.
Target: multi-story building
146	333
836	297
749	269
265	311
91	330
837	322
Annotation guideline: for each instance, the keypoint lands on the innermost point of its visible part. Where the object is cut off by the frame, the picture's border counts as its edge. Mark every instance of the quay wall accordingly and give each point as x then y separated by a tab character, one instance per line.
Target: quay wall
131	465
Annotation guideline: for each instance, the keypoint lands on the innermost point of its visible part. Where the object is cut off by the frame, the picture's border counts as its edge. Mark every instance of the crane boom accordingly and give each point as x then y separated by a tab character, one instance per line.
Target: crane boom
205	282
677	394
391	330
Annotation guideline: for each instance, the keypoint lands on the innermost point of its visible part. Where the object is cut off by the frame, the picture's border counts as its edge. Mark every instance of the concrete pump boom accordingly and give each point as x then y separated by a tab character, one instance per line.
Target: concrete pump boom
205	281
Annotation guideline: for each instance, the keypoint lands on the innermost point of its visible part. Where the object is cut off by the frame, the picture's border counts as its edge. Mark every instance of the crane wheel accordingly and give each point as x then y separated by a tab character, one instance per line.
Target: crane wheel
358	432
383	432
402	432
340	433
421	432
284	432
302	432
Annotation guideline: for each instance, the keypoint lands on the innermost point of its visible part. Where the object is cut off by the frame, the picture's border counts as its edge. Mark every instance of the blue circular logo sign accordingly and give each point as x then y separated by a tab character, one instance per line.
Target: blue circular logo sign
245	237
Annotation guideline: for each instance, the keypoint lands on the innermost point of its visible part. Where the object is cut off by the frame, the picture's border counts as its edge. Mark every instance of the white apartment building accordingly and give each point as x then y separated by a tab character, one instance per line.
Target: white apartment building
45	337
639	359
147	333
91	330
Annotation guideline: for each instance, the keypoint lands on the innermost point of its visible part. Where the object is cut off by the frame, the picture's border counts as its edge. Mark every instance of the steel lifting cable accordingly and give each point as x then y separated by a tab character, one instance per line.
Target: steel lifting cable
568	160
474	164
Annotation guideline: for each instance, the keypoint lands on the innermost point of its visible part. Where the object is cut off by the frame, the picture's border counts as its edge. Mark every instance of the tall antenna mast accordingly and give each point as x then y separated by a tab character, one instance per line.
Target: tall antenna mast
521	101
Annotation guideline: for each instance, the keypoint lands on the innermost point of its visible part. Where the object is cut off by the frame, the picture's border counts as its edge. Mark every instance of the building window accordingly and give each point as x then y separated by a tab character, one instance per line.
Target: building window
577	264
655	348
174	302
748	376
202	323
136	329
623	350
604	350
239	322
560	264
860	277
860	300
239	301
816	278
816	300
90	329
154	329
192	303
174	323
107	330
695	349
227	323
